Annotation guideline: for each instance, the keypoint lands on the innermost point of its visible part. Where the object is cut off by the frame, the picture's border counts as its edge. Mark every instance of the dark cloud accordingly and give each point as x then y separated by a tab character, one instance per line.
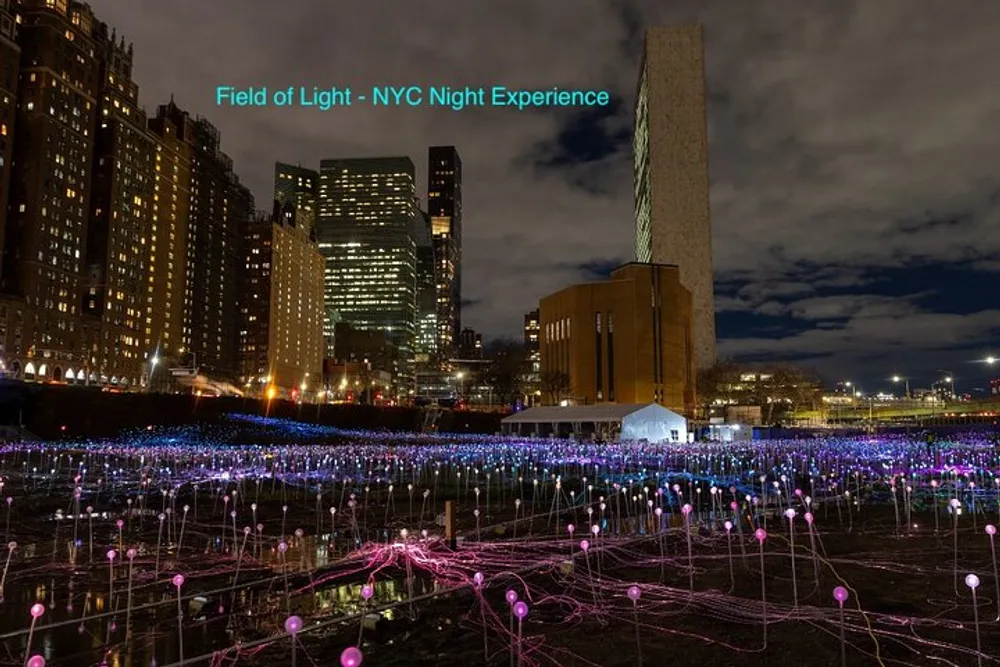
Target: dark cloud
846	137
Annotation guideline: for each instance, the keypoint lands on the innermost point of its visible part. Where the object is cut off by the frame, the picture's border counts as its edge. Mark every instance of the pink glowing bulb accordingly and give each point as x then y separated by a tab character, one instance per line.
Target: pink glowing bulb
790	513
351	657
293	624
10	501
658	511
478	578
733	506
112	554
972	581
282	547
840	594
37	610
633	593
511	596
119	523
760	534
798	492
178	580
686	509
570	528
246	530
130	553
367	592
595	529
35	661
520	610
12	545
991	530
808	517
728	526
299	532
584	545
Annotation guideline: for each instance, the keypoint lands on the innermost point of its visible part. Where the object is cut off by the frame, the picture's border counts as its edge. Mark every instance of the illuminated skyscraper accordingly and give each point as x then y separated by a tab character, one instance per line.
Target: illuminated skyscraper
119	234
281	338
367	208
50	199
167	256
444	205
220	209
10	58
670	143
426	349
295	191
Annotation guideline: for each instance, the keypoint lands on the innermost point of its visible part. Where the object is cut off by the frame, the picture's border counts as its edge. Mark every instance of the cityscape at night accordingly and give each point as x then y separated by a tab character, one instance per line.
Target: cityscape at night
564	333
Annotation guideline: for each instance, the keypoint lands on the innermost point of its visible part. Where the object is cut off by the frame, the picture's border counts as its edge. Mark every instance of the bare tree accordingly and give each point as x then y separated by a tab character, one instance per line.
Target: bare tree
554	384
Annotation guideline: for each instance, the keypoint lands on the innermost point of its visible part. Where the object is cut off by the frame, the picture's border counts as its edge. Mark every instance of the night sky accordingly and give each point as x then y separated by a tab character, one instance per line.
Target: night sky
855	152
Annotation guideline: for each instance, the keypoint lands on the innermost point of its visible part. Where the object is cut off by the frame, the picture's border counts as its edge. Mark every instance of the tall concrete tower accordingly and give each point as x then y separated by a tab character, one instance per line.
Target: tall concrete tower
673	223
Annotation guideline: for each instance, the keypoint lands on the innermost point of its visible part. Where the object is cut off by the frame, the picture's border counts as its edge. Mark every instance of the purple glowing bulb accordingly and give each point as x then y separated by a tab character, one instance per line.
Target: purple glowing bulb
840	594
112	554
733	506
367	592
686	509
633	593
760	534
511	596
728	526
520	610
282	547
991	530
178	580
351	657
570	528
584	545
478	578
972	581
131	553
37	610
293	624
790	513
809	518
35	661
119	523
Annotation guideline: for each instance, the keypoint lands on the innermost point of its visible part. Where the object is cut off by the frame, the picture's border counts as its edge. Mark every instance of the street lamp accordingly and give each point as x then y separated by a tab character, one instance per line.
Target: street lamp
906	381
991	360
949	378
461	385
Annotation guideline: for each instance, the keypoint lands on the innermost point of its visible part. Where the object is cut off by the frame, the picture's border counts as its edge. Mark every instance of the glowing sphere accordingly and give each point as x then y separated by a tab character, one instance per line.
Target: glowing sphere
790	513
658	511
809	517
162	517
633	593
35	661
12	545
119	523
246	530
130	553
686	509
111	554
570	528
178	580
351	657
293	624
584	545
520	610
991	530
595	529
760	534
840	594
282	547
728	526
972	581
478	578
37	610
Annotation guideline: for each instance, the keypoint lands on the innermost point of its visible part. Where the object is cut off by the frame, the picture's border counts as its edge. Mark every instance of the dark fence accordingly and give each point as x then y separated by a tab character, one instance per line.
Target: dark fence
53	411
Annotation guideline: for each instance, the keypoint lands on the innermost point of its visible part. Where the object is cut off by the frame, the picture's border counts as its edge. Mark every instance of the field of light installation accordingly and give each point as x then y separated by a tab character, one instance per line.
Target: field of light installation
257	542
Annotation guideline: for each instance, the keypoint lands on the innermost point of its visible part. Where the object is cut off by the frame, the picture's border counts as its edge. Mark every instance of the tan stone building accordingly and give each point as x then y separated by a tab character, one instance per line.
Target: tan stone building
282	341
624	340
670	144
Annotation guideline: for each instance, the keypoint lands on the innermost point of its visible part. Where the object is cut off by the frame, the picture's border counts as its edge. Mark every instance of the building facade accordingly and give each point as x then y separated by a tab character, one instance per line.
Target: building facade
425	355
166	262
444	205
10	60
49	203
119	233
365	227
671	175
624	340
220	210
470	344
281	338
533	357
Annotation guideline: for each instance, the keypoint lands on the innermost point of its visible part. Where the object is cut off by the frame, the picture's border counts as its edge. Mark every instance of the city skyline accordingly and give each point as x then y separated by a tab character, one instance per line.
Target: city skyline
834	223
